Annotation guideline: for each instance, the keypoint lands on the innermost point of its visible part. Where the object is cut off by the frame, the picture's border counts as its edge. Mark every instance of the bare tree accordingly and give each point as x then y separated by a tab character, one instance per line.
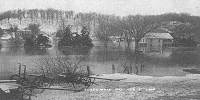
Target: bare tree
103	31
138	26
19	15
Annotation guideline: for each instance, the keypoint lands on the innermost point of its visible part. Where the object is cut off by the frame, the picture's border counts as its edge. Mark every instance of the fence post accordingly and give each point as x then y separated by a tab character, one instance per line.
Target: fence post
137	70
113	68
88	70
19	69
24	71
142	66
130	69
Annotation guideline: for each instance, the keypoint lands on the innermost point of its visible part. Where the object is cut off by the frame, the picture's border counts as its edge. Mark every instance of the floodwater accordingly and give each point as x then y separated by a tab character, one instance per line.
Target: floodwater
169	62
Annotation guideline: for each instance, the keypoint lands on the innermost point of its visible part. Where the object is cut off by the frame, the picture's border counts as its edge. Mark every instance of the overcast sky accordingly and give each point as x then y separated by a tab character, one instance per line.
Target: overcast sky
117	7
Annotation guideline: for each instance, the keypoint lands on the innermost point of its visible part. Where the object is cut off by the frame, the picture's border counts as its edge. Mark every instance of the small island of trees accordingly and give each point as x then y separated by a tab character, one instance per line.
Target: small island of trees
36	39
74	39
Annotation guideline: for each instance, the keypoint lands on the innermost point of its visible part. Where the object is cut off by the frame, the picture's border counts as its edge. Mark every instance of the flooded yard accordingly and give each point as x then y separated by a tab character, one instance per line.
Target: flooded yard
99	50
169	62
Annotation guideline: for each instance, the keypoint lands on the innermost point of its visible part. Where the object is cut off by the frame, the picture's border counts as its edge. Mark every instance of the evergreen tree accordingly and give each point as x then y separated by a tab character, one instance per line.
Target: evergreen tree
85	38
74	39
66	40
42	40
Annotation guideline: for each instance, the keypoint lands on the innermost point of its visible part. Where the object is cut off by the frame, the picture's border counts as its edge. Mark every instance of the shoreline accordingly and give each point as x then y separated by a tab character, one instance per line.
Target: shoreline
148	79
133	88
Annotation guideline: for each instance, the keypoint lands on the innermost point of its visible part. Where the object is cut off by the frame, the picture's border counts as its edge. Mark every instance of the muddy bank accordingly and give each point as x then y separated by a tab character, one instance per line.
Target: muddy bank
132	88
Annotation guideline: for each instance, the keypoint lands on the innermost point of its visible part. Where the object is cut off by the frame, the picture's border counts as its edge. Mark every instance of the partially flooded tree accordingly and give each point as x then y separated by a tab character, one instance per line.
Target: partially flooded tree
30	40
73	39
42	40
85	39
36	39
103	31
34	29
66	36
138	26
184	34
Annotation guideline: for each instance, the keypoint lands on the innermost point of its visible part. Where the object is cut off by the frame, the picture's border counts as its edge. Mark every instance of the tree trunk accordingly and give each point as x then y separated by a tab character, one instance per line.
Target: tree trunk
128	43
136	46
8	20
119	43
105	51
20	21
136	56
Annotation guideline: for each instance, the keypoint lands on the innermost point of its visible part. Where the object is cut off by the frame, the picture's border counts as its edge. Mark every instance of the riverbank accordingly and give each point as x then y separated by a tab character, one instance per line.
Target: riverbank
134	87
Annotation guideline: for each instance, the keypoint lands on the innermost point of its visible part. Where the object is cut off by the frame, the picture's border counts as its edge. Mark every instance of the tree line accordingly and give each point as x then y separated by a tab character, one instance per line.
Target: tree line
183	27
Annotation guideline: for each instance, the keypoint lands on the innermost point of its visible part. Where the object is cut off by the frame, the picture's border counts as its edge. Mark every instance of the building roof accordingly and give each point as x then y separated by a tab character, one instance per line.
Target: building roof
159	35
161	30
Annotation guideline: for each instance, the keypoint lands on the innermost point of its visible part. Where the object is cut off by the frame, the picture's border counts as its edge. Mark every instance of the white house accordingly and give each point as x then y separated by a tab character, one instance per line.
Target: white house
156	41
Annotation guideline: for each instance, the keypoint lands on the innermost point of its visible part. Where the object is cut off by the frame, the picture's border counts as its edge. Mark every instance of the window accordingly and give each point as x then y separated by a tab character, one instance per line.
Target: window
142	40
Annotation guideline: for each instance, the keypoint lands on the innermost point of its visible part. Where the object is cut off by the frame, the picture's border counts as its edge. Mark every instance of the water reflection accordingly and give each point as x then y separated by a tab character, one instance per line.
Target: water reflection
35	51
185	56
75	51
169	61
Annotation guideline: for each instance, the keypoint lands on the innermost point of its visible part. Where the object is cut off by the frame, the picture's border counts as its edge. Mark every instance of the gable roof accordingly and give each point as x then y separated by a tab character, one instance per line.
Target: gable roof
161	30
159	35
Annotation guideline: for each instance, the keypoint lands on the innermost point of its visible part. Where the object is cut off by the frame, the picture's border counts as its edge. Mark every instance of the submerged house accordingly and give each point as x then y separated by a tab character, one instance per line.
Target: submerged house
155	41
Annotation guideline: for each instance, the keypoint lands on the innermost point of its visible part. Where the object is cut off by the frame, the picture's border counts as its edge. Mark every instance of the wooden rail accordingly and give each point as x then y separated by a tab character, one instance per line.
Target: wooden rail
61	89
7	81
107	78
51	88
